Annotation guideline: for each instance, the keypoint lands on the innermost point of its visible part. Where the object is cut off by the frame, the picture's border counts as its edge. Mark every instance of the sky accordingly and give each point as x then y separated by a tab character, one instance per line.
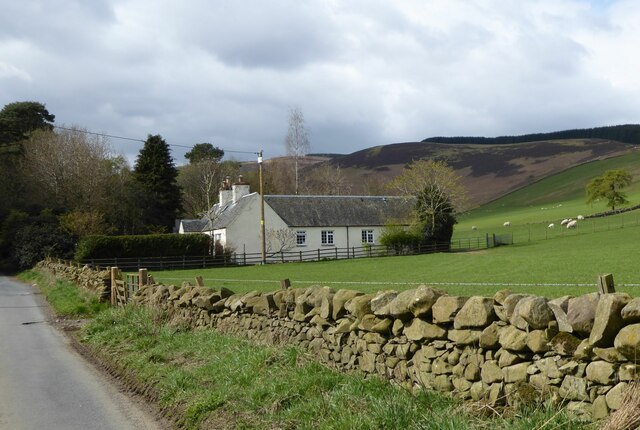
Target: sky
363	72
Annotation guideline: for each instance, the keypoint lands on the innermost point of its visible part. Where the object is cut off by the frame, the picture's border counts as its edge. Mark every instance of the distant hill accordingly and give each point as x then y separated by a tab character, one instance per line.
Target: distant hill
489	170
626	133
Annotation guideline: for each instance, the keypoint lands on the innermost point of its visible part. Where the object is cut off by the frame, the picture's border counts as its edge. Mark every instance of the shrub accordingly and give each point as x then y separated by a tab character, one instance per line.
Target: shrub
27	239
400	240
151	245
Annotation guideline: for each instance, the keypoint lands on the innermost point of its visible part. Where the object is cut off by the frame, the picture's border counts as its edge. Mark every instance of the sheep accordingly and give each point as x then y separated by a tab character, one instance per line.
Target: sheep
473	227
507	224
580	217
564	221
552	225
572	224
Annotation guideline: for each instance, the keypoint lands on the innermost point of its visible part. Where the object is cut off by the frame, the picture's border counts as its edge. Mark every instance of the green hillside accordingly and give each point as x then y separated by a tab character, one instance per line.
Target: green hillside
553	198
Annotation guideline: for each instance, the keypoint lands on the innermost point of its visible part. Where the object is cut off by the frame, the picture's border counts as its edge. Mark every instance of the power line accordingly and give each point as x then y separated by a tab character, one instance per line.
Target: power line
143	141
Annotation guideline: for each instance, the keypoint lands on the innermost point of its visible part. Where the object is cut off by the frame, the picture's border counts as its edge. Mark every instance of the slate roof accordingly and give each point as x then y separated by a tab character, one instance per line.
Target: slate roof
326	211
222	217
192	225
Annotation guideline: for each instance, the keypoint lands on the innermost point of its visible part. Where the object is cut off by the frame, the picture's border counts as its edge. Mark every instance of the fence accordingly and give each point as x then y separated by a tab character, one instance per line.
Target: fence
320	254
122	289
535	231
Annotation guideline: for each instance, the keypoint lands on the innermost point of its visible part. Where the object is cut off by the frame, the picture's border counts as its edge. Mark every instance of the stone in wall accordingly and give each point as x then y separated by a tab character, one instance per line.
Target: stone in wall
608	319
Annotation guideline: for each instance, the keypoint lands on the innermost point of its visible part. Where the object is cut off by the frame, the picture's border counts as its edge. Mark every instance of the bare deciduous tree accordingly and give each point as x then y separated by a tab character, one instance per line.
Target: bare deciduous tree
200	184
297	139
280	240
327	180
68	168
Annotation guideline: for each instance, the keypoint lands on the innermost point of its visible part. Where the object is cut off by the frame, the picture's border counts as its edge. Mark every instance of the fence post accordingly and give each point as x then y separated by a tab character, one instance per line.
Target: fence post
605	284
114	277
336	249
142	277
301	256
318	254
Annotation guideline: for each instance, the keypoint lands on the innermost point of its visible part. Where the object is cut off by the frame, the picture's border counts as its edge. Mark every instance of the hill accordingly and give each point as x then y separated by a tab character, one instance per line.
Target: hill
489	171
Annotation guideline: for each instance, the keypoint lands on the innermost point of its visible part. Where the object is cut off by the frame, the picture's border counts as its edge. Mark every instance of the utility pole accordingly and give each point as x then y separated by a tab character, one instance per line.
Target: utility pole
262	229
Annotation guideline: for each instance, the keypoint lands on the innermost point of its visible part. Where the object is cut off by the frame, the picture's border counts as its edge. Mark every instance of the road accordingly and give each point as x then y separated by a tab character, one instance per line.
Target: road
44	383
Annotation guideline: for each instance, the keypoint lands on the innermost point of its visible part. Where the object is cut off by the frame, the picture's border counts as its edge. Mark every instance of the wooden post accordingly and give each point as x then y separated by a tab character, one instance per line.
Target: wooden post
605	284
285	283
114	276
143	277
199	281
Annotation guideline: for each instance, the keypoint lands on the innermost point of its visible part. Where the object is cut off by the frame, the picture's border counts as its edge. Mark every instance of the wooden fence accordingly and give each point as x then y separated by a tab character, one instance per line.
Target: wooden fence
325	253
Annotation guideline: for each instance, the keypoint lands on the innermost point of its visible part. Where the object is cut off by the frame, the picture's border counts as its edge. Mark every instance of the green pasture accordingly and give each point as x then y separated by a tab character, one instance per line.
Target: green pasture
572	259
530	210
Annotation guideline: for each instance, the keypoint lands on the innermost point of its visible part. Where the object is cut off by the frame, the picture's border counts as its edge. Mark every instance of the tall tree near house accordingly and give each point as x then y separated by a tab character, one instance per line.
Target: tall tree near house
200	183
156	175
297	140
439	195
19	119
609	186
202	152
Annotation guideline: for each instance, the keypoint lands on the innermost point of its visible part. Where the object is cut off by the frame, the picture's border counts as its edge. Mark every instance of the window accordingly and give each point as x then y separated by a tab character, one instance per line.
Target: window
217	237
367	236
327	237
301	238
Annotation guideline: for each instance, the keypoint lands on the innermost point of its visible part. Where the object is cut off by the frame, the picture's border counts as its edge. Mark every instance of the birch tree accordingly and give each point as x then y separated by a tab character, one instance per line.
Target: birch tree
297	140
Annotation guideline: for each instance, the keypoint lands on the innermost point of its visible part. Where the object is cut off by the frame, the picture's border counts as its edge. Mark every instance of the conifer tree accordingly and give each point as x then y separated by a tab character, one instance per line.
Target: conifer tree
155	175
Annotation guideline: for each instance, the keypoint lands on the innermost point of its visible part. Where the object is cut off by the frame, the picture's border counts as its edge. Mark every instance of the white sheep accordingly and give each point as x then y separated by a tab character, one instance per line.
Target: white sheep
564	221
572	224
507	224
473	227
580	217
552	225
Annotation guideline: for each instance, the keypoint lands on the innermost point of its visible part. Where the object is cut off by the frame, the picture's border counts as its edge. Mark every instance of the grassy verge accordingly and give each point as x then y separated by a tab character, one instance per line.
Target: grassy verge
215	381
65	297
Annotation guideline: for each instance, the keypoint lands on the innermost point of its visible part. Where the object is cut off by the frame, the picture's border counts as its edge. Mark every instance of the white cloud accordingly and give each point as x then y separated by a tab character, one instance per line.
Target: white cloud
364	72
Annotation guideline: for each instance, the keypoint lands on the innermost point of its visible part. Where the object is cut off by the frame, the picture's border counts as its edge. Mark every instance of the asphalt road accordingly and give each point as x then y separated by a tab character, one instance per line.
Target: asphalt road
44	383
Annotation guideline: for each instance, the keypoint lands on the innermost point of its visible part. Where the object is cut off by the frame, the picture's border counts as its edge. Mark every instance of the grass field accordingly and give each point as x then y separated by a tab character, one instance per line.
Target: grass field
575	259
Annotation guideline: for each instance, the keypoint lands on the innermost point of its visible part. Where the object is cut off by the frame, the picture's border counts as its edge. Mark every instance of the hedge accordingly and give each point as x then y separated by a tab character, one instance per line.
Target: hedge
151	245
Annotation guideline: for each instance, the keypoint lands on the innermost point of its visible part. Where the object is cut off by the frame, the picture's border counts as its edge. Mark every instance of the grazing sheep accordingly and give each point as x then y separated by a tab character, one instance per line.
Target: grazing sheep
564	221
580	217
572	224
507	224
552	225
473	227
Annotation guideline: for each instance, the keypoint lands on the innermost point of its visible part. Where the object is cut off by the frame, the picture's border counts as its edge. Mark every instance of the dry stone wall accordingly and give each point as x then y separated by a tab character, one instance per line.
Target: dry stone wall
98	282
506	348
511	347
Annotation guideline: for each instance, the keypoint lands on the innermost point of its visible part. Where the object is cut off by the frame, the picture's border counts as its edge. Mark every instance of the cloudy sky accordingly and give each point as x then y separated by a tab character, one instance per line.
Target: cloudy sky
363	72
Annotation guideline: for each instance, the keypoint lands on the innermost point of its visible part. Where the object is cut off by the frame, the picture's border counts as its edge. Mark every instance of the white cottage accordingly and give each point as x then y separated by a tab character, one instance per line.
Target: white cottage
296	223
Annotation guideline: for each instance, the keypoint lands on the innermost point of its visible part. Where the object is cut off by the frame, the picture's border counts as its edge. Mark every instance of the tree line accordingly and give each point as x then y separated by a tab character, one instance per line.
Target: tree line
63	183
627	133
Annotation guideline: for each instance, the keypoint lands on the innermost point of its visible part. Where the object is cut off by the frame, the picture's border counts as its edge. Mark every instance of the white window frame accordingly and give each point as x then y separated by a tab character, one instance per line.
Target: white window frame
217	237
301	238
327	238
367	237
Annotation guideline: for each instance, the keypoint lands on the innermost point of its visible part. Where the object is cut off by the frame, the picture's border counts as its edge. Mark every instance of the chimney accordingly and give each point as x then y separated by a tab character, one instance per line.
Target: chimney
240	189
226	195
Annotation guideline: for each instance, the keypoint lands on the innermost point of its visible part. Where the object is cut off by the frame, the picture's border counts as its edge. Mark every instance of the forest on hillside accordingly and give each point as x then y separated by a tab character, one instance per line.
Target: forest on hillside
626	133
